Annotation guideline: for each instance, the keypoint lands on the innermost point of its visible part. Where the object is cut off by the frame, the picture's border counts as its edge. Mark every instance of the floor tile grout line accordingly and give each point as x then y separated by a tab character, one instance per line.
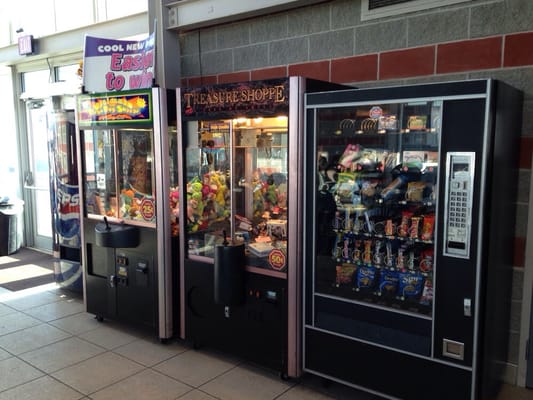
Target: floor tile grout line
45	374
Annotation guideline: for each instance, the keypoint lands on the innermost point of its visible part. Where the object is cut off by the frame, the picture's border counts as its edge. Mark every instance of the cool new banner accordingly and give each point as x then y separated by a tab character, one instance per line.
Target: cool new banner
115	65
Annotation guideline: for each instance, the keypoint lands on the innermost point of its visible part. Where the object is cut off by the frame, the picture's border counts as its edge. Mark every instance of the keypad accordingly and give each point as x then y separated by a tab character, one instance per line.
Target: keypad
457	217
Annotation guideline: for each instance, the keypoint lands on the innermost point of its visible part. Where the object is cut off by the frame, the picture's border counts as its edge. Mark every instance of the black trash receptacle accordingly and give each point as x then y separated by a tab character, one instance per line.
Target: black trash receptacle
229	274
10	215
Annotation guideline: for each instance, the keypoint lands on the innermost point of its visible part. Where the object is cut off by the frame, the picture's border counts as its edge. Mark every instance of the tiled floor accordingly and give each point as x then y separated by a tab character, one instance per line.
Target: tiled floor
50	349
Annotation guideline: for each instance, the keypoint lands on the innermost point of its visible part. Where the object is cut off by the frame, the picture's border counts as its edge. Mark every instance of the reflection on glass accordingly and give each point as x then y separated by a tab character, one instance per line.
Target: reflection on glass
100	184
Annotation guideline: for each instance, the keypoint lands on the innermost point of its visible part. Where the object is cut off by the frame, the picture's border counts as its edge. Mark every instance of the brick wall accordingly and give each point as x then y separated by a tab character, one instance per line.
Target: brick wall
476	39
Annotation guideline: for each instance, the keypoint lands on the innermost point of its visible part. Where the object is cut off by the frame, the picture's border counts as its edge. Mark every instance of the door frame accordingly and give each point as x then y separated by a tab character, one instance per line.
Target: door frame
32	239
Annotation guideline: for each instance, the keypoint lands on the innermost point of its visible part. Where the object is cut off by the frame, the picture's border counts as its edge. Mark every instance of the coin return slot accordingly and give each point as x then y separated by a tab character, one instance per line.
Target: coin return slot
453	349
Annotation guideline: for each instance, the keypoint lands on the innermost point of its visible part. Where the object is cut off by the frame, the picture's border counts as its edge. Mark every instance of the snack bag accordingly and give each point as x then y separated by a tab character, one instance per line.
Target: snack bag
388	283
344	274
403	229
410	285
427	293
352	152
365	278
427	227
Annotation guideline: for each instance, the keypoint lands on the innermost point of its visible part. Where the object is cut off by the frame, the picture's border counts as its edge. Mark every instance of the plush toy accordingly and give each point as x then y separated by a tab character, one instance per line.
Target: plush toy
195	204
130	207
174	211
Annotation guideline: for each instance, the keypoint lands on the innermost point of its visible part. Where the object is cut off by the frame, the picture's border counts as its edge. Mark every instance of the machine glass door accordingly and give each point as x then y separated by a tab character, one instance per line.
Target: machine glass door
375	204
99	168
207	163
260	179
135	166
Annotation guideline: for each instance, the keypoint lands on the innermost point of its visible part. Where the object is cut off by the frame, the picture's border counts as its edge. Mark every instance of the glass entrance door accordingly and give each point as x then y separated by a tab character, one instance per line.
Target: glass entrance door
37	177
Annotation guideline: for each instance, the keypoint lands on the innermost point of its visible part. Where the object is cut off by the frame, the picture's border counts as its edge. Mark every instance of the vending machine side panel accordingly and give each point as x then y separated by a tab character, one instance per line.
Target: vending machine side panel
457	255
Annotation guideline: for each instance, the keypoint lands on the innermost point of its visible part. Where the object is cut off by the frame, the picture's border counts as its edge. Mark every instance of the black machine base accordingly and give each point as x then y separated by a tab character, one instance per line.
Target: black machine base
380	370
255	330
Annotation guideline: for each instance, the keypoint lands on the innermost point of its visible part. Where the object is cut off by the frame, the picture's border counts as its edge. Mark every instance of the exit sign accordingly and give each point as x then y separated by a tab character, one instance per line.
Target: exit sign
25	45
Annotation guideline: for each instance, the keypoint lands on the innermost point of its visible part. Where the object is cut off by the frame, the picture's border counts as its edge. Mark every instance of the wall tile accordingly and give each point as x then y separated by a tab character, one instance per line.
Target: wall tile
203	80
514	317
216	62
519	251
404	63
518	50
308	20
269	28
250	57
501	17
283	52
524	179
195	41
526	149
469	55
381	37
189	43
269	73
190	65
234	77
234	35
345	13
521	221
527	117
331	44
316	70
437	27
355	69
518	284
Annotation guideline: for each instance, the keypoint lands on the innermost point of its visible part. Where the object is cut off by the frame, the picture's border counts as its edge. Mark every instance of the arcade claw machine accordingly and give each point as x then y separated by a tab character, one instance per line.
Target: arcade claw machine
127	176
410	196
241	197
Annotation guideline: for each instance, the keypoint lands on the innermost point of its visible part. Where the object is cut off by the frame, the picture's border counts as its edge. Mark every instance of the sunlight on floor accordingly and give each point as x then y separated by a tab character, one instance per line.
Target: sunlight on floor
22	272
6	295
7	260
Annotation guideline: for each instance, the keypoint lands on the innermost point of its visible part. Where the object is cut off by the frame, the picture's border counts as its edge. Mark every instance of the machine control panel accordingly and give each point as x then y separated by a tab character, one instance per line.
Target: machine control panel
458	198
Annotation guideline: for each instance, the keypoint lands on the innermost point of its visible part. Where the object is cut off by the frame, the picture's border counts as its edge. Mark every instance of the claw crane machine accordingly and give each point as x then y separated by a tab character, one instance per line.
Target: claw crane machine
241	202
128	159
410	209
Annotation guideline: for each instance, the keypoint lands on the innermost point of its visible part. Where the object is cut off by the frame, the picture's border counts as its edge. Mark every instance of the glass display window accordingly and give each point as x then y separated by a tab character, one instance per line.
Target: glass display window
236	174
376	184
119	176
135	176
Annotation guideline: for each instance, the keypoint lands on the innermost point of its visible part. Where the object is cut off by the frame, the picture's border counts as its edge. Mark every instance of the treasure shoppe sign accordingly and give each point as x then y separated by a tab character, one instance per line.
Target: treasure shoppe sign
248	99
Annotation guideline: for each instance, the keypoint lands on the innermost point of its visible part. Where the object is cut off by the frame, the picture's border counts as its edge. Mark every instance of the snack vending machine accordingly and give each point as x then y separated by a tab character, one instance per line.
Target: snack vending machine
409	236
241	207
127	176
65	198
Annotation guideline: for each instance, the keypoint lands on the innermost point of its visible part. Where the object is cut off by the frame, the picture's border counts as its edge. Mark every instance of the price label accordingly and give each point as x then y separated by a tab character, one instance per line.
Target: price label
147	209
277	259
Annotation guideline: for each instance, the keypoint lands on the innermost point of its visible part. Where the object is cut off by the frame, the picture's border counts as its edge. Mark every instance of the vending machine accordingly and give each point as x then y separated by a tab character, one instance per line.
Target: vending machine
65	198
409	229
128	157
241	193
